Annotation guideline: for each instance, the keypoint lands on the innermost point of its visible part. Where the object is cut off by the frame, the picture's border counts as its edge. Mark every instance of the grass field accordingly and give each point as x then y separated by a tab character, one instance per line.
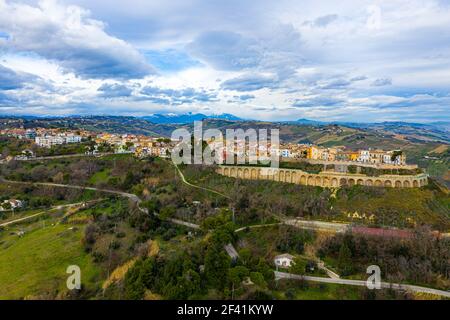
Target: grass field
297	290
100	177
423	206
35	264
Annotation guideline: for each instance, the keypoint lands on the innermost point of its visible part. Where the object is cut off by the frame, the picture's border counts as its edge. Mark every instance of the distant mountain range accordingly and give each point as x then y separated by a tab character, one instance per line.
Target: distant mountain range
191	117
164	124
187	118
443	125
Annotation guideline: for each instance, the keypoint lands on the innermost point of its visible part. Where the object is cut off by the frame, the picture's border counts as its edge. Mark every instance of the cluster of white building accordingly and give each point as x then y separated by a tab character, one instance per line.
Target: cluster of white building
140	145
313	152
53	140
334	154
143	146
45	137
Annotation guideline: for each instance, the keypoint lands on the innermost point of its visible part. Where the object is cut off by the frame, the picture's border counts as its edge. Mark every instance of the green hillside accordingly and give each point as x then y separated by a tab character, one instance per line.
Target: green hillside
35	264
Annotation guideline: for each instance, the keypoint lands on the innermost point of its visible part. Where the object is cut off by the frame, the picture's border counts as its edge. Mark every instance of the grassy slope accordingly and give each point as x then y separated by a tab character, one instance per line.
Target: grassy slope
315	291
37	262
424	205
100	177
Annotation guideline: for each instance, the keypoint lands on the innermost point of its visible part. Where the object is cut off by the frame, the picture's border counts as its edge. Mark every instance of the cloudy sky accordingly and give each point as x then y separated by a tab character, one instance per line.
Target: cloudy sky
352	60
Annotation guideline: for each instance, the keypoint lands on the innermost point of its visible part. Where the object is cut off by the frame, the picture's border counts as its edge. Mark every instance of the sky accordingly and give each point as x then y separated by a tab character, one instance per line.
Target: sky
348	60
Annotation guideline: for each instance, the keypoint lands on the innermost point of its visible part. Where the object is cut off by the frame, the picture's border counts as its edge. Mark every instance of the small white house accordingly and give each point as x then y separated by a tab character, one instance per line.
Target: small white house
364	156
122	148
284	260
13	204
72	139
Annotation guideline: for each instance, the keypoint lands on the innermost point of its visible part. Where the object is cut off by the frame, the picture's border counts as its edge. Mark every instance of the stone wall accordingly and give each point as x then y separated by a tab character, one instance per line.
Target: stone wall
353	163
323	179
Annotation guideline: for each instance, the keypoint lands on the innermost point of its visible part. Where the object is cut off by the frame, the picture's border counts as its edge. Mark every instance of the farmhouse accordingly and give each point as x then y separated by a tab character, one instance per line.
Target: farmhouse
284	260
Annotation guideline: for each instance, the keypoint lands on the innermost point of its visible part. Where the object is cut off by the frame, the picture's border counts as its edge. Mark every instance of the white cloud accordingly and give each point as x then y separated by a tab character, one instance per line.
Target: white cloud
285	58
68	35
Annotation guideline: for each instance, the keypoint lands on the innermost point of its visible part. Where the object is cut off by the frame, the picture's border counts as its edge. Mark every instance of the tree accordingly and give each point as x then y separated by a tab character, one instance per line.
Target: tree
217	263
395	154
245	256
237	274
167	212
217	220
263	268
258	279
344	259
351	169
134	284
153	205
224	234
242	202
58	178
129	180
183	287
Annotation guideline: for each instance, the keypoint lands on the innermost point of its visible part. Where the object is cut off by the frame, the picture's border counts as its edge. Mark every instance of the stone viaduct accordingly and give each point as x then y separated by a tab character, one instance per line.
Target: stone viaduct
323	179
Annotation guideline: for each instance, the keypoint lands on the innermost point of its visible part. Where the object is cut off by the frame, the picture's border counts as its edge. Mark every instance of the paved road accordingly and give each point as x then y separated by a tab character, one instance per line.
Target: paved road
337	227
362	283
70	186
330	273
66	156
303	224
43	212
278	275
256	226
318	225
130	196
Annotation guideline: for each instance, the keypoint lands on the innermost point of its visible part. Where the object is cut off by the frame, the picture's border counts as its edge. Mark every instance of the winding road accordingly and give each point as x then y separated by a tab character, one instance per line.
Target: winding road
183	178
46	211
386	285
74	155
130	196
278	275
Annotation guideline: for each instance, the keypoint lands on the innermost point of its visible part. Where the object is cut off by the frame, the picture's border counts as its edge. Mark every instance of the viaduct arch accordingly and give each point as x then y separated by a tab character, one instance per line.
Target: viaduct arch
323	179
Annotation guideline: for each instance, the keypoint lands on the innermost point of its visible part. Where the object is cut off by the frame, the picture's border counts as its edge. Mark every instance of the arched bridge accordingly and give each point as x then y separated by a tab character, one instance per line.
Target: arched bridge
323	179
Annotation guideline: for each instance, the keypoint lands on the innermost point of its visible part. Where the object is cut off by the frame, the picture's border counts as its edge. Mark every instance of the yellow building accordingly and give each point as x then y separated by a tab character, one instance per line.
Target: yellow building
319	153
347	156
353	155
313	152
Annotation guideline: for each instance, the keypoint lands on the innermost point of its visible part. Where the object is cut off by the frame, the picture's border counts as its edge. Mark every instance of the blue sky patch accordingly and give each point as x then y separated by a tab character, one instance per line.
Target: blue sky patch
4	35
170	60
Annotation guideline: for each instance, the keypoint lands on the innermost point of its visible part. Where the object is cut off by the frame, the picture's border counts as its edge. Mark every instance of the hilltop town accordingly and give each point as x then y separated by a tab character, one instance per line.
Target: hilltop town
142	146
115	203
224	150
